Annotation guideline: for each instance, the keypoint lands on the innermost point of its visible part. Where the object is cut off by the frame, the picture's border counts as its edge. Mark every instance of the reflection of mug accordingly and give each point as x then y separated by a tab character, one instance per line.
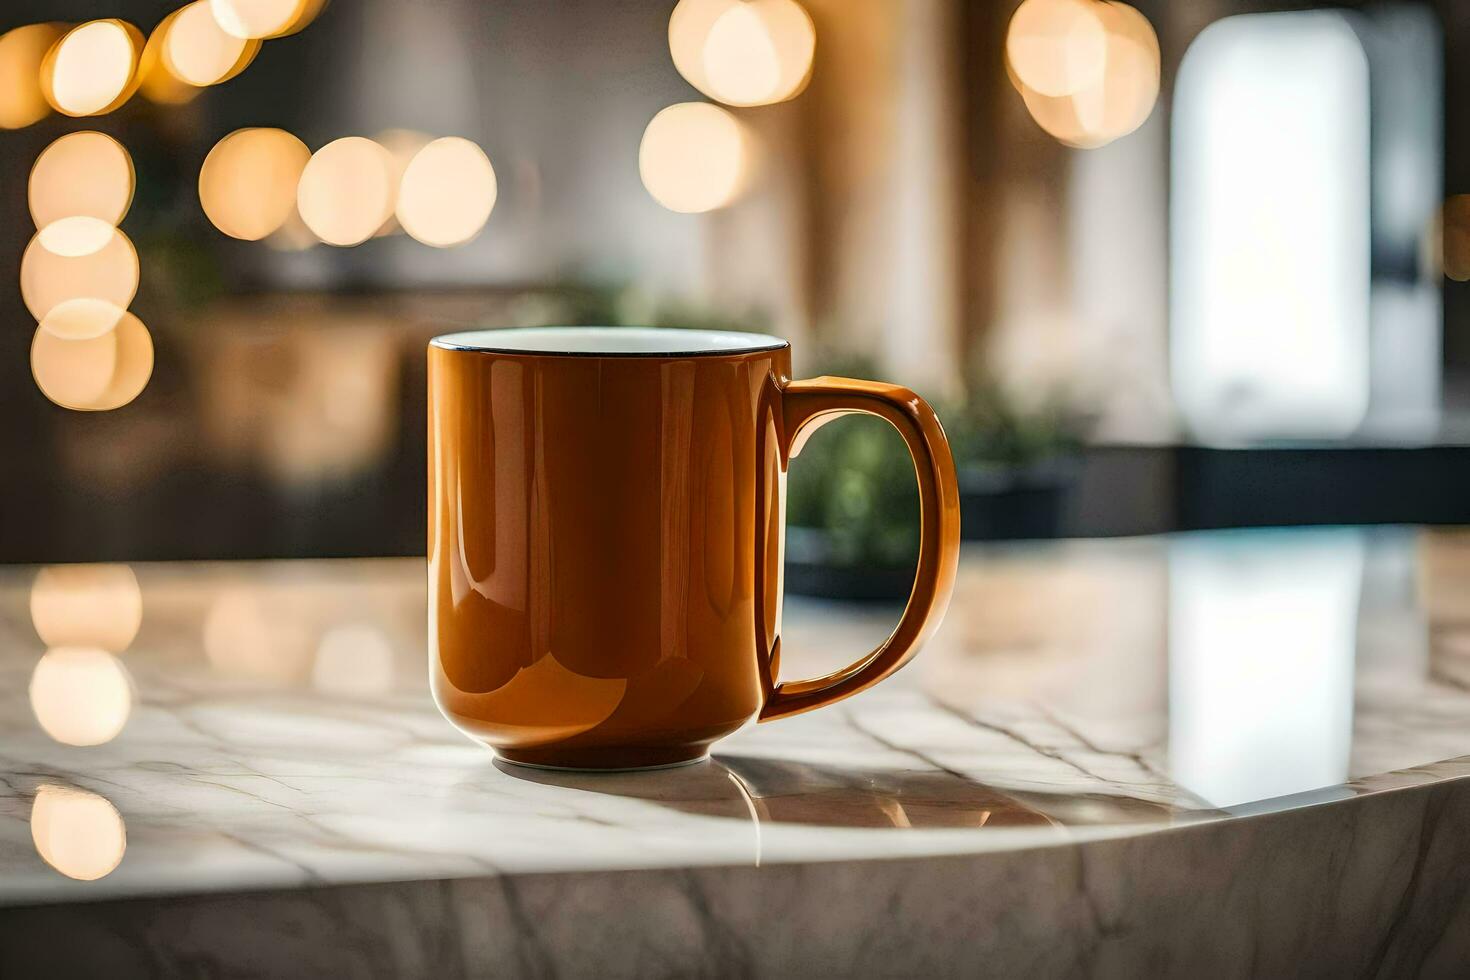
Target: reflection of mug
605	526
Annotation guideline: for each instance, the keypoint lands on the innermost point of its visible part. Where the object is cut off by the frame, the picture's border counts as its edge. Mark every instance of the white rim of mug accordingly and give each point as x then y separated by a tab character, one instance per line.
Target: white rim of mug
499	341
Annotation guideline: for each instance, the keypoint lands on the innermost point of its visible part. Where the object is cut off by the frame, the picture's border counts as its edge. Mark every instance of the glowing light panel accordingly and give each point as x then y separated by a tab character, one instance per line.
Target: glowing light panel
1270	229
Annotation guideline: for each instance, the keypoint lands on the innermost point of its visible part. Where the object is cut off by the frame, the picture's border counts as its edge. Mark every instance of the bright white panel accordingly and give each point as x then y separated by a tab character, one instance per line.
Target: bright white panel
1262	647
1270	213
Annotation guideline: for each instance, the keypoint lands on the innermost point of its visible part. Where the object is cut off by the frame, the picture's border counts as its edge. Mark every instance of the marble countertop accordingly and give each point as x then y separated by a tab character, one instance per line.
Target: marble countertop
194	730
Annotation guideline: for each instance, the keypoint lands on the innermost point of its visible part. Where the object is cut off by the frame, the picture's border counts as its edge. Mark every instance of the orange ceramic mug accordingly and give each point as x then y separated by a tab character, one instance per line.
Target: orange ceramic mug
605	529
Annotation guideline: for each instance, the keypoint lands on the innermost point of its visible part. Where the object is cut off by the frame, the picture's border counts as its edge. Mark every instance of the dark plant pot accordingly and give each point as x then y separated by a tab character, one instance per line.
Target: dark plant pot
1015	503
810	571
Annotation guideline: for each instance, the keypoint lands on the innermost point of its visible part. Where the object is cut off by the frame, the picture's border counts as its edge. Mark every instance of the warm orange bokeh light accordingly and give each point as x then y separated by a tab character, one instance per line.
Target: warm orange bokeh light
264	18
81	695
94	68
87	605
94	374
346	191
402	146
48	279
740	60
22	51
257	635
1057	117
694	157
247	185
197	51
1057	47
81	319
156	80
1123	96
689	27
354	661
82	173
78	833
75	236
447	193
743	52
759	53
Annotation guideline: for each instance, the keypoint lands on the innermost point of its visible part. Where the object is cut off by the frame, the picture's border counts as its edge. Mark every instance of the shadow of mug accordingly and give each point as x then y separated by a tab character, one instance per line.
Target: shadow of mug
778	791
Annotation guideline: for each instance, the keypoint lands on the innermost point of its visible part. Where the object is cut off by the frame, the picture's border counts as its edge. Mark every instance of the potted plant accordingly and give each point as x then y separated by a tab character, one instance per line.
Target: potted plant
852	514
1016	463
852	505
852	509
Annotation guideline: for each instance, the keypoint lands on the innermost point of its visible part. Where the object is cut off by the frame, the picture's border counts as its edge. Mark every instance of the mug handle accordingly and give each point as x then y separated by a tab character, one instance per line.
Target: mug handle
806	406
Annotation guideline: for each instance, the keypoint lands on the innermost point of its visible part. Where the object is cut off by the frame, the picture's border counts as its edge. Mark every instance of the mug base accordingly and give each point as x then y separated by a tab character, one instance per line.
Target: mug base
656	761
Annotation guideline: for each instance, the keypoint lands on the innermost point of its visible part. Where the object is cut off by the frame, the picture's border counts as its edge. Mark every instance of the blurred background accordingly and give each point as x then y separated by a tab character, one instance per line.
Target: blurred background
1174	265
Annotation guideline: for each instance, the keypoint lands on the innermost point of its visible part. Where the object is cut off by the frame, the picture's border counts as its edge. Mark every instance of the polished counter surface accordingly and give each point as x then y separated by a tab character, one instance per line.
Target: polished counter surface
1102	733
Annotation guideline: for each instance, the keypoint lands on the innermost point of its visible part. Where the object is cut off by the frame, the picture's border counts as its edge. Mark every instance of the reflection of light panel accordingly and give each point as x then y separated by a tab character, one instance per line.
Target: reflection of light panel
1262	640
1270	229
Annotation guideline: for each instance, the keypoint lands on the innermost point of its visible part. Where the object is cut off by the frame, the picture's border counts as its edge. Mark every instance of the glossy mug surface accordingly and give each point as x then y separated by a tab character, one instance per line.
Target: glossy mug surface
605	533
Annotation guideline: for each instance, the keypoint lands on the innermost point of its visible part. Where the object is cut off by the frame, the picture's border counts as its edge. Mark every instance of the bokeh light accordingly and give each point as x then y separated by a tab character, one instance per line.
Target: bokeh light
759	53
694	157
1129	87
81	319
93	374
22	52
346	191
81	695
93	69
48	280
75	236
353	660
402	146
83	173
256	635
1057	47
78	833
1057	117
689	27
156	80
87	605
197	51
247	185
743	52
73	373
1123	96
447	193
740	61
265	18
